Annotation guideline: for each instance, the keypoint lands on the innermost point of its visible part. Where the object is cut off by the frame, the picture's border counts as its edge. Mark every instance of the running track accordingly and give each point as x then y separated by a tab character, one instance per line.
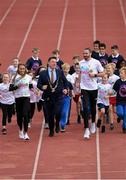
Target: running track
70	25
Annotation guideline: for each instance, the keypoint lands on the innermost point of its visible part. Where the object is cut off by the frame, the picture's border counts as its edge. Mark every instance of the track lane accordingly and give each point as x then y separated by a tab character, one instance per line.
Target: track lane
110	25
45	31
16	156
59	167
77	33
13	29
67	155
22	168
111	30
4	6
6	12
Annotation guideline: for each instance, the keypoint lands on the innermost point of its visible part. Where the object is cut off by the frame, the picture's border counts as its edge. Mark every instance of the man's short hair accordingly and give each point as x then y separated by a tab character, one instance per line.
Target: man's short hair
52	57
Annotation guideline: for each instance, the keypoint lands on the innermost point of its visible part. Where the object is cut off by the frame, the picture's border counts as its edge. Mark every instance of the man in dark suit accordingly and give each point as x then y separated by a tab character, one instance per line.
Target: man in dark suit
54	85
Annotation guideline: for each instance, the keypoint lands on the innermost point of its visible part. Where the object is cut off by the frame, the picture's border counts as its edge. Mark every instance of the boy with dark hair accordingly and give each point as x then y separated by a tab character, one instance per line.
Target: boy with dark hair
56	53
95	52
115	57
102	55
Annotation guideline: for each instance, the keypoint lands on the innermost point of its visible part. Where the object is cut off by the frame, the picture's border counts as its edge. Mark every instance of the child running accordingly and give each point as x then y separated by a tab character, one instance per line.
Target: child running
120	88
110	68
7	101
104	90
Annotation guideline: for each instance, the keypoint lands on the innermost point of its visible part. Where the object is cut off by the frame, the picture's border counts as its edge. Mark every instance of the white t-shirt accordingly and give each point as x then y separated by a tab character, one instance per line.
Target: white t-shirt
69	78
112	79
103	90
23	86
94	66
74	76
34	97
76	83
12	70
6	96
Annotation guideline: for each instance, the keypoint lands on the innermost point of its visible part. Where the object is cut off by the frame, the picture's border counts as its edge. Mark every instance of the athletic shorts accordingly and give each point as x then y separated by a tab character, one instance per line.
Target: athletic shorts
101	106
112	100
76	98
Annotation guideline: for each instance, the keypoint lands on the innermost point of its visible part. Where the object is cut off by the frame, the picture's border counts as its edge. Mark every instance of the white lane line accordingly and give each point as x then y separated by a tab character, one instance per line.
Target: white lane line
94	20
42	128
38	151
98	155
122	11
7	12
97	132
62	24
29	28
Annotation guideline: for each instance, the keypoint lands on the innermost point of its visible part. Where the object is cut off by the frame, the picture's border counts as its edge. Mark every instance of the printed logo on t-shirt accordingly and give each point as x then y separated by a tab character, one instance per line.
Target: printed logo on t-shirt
122	90
103	62
35	66
84	70
115	61
102	92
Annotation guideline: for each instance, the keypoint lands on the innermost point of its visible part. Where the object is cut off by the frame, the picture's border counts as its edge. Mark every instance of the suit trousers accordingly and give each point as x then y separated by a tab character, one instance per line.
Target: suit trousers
53	109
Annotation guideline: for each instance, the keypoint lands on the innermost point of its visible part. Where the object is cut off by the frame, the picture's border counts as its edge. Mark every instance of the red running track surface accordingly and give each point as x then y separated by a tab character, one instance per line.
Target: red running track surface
68	155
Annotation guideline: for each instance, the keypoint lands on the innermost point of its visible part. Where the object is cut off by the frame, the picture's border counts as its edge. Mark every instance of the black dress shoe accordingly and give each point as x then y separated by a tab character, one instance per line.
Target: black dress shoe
124	130
57	129
51	134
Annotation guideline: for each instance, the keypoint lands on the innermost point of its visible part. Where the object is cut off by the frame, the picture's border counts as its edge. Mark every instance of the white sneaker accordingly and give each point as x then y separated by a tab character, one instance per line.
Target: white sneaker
46	126
93	128
21	135
26	137
29	125
87	133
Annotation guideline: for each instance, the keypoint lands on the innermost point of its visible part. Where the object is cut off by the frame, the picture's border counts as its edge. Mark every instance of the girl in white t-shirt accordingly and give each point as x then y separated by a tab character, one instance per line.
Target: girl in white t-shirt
21	84
77	91
104	91
12	69
7	102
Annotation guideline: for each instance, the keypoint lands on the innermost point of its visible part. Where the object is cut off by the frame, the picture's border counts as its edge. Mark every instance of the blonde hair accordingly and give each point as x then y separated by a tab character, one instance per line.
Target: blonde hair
65	66
113	65
123	69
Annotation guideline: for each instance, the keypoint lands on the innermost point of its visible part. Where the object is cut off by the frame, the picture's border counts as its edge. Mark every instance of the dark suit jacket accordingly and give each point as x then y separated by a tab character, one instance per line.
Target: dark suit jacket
45	85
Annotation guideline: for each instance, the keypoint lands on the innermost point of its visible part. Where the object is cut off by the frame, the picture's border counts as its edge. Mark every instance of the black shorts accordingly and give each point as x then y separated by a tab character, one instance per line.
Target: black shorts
101	106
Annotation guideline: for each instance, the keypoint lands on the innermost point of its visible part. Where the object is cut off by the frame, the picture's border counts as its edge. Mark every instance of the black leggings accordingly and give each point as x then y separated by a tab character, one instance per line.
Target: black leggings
23	111
7	111
89	98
